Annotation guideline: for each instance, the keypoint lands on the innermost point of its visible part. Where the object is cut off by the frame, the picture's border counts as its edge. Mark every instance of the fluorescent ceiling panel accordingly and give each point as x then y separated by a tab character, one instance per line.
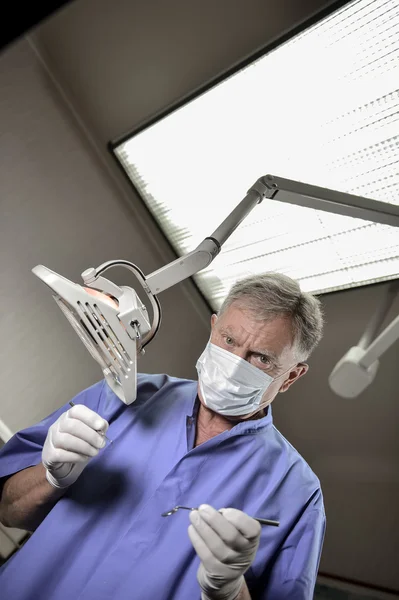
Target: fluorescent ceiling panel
322	108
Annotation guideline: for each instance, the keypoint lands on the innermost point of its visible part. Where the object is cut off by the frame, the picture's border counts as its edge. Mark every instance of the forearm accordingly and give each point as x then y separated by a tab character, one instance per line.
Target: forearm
27	498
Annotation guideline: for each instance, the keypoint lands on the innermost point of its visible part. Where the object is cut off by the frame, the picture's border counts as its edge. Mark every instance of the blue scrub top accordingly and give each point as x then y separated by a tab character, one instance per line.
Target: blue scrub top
105	538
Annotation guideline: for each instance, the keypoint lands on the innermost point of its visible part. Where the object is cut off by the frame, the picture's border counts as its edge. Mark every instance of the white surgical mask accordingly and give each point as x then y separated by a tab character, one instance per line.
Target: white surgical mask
230	385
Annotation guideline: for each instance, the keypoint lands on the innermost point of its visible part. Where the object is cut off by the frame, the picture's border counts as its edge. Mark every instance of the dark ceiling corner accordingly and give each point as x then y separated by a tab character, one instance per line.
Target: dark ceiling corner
25	17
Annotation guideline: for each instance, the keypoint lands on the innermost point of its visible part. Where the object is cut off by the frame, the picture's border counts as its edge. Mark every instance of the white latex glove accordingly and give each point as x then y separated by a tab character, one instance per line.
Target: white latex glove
70	443
226	542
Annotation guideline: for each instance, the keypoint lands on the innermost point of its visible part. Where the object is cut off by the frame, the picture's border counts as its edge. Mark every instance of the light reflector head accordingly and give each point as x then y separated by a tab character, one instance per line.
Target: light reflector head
94	317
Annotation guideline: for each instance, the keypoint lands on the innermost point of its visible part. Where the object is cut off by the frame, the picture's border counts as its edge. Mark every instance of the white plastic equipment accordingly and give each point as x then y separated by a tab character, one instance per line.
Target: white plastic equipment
115	326
358	368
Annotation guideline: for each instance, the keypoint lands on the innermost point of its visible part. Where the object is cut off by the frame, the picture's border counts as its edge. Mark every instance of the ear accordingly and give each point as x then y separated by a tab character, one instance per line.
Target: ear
214	318
295	373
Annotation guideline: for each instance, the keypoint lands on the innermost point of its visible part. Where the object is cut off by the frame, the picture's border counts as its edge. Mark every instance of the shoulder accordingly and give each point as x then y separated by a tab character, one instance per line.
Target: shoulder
292	455
299	472
148	383
162	389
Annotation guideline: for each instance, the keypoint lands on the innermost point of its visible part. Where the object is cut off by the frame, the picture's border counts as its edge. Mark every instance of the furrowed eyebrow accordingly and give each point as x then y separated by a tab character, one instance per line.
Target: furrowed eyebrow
227	331
266	353
271	356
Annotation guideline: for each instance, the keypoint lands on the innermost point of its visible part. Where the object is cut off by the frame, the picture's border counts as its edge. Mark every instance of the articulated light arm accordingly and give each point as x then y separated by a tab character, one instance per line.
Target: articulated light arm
209	248
282	190
340	203
381	344
114	324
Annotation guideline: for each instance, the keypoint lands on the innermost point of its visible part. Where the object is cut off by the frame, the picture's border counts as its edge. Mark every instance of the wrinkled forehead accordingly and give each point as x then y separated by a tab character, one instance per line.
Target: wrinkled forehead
274	332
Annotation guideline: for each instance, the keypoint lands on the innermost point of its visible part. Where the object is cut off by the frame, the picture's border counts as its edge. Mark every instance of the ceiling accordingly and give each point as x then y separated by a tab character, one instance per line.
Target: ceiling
122	62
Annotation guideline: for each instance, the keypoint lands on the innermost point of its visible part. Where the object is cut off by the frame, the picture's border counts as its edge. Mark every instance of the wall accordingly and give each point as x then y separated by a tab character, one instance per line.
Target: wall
124	61
60	208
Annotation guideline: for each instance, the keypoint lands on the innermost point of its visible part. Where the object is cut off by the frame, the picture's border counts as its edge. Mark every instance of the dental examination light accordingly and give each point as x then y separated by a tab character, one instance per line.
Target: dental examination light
115	326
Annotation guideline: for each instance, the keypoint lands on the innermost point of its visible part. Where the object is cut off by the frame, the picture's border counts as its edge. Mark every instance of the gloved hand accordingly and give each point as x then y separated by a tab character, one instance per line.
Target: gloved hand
70	443
226	542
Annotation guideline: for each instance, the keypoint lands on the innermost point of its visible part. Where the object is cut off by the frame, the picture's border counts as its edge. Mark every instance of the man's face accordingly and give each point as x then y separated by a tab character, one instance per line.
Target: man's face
267	345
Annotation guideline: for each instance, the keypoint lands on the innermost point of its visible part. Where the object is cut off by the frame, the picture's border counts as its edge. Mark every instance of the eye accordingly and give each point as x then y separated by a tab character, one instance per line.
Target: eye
229	340
264	360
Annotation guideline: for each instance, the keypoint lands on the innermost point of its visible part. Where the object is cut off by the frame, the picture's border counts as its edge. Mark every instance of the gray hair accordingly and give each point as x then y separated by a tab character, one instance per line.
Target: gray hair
272	294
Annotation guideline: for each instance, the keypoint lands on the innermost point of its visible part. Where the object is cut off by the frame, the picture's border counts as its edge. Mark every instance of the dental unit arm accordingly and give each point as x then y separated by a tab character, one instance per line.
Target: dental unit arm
358	367
114	324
